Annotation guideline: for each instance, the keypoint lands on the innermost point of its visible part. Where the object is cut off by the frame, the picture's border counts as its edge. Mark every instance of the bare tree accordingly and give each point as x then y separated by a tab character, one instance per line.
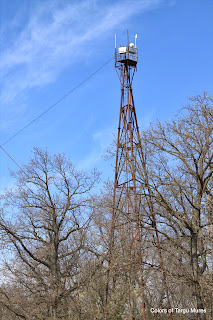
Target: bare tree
55	236
180	166
44	223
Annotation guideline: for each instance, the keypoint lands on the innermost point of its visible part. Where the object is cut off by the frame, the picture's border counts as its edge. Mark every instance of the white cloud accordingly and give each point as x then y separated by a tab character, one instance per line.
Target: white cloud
102	140
105	139
55	37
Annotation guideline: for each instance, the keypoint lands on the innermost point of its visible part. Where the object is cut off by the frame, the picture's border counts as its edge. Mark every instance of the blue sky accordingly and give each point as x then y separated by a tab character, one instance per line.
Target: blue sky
49	47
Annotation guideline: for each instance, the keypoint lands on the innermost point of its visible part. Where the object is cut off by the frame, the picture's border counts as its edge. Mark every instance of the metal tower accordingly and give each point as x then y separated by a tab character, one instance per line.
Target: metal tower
127	201
126	196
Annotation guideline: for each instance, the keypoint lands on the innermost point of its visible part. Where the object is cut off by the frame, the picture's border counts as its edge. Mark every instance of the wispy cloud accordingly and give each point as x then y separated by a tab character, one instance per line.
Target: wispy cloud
55	36
102	140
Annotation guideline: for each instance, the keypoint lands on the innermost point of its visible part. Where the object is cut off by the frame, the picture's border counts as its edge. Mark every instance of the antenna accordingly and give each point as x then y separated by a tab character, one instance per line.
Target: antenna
136	41
115	41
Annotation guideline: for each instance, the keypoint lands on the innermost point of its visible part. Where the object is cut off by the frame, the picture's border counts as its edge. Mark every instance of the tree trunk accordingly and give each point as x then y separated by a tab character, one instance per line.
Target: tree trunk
195	269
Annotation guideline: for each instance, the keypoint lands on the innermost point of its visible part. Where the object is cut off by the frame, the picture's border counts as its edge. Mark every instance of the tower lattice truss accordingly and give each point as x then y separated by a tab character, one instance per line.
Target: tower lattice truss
127	189
131	193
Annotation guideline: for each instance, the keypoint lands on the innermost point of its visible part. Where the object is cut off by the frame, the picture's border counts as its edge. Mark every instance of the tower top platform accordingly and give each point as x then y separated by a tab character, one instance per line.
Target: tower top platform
127	55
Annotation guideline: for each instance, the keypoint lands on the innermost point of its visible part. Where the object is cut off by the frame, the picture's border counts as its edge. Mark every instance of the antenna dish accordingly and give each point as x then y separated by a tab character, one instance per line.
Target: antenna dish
132	45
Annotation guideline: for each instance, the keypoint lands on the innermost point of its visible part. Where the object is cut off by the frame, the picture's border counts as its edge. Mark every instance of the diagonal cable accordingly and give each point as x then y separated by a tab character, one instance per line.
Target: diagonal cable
38	117
54	104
